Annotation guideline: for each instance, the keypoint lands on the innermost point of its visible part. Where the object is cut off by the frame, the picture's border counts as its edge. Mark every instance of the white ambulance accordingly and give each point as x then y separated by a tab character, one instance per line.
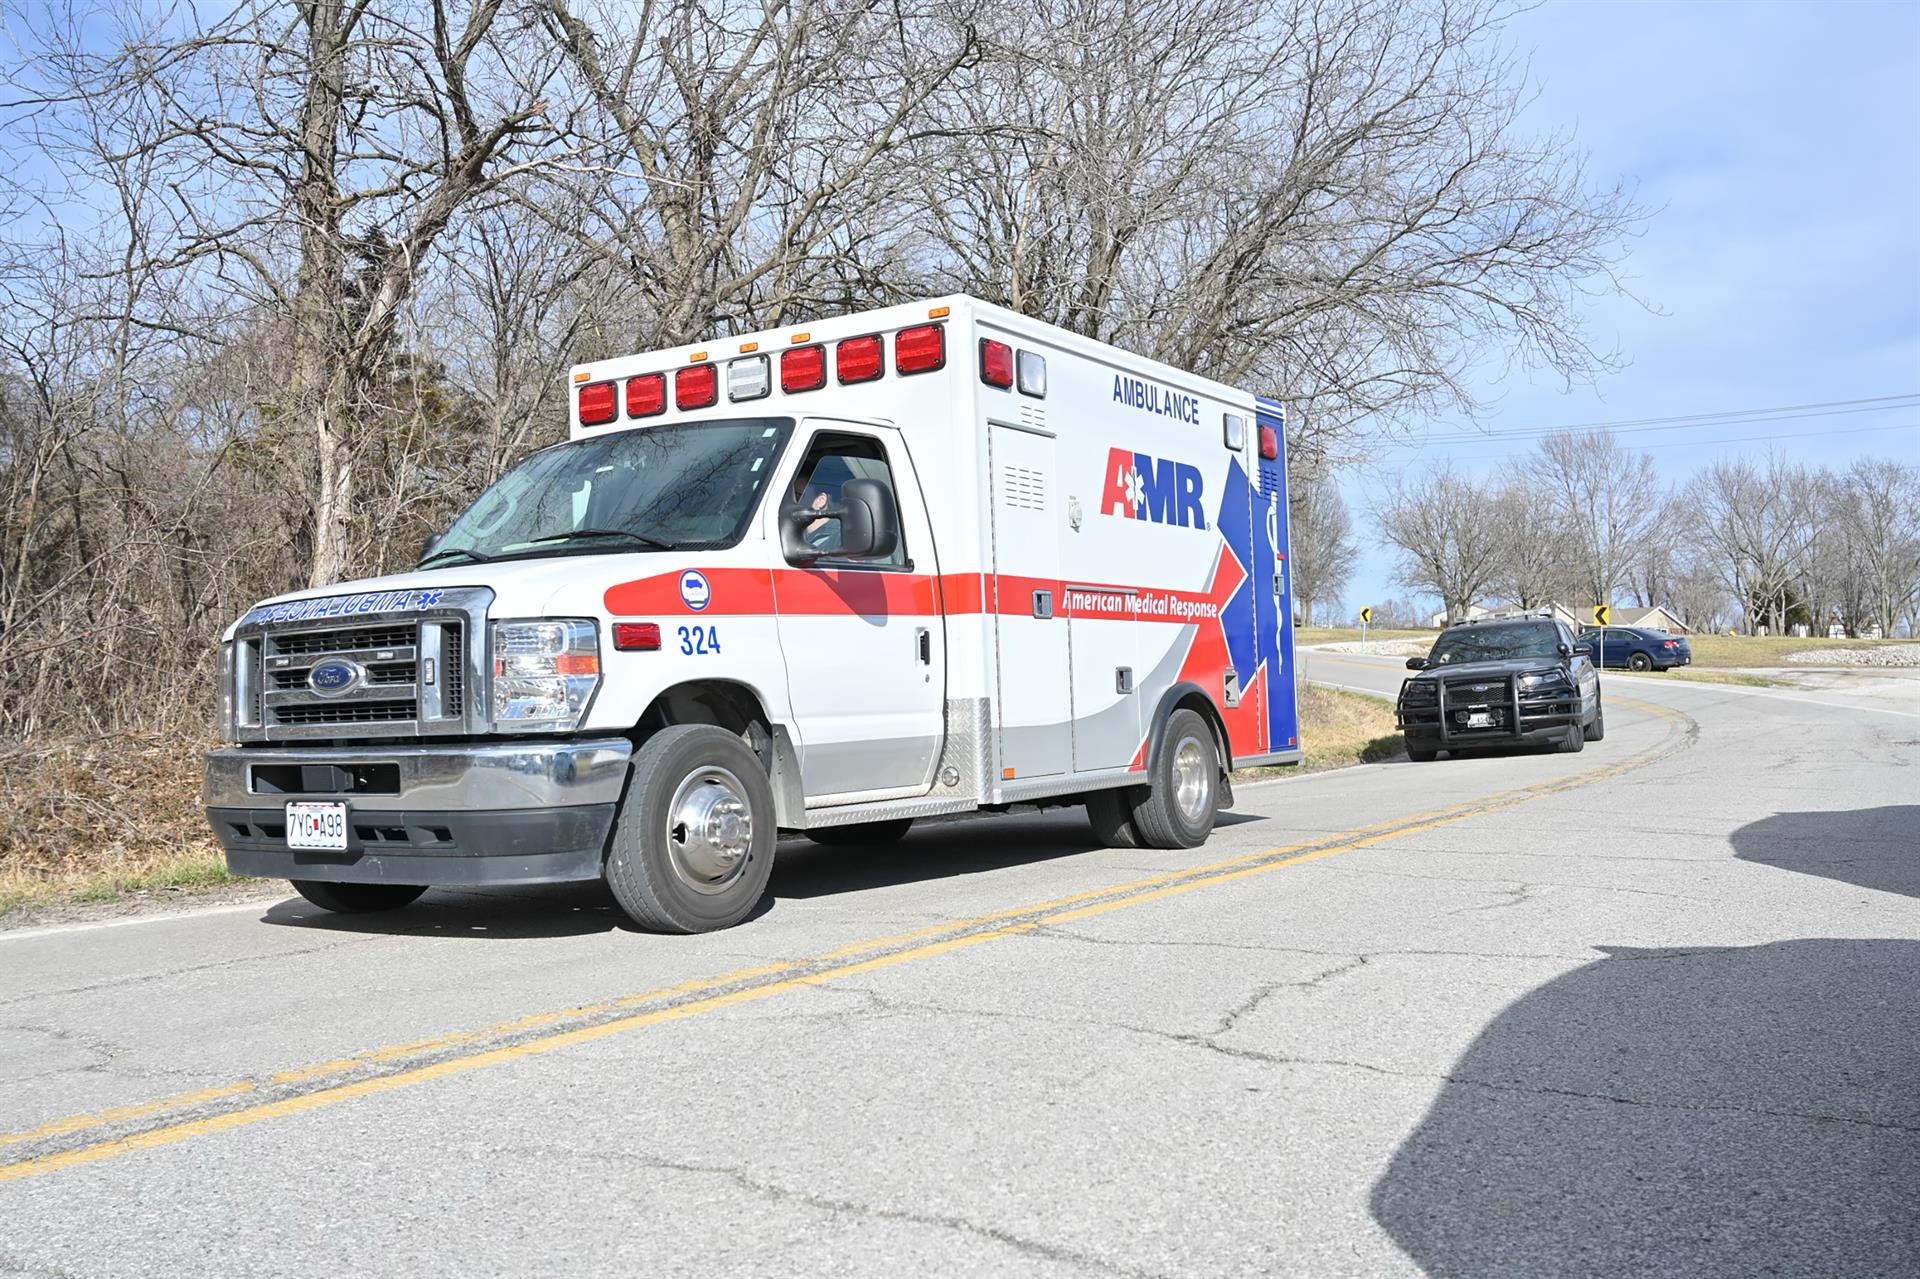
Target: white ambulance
831	579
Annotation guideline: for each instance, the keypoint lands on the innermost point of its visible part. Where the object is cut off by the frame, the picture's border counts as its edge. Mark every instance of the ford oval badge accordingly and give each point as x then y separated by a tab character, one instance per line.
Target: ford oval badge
334	677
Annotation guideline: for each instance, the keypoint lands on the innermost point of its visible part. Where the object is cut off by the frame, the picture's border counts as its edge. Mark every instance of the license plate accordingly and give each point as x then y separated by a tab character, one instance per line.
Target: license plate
1479	719
322	826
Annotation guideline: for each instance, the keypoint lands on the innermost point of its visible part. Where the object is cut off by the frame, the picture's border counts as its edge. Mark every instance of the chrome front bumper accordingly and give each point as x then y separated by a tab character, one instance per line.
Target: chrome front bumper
484	777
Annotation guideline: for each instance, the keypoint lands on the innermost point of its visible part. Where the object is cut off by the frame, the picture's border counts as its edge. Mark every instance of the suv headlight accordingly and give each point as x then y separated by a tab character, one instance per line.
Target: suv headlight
544	673
1545	682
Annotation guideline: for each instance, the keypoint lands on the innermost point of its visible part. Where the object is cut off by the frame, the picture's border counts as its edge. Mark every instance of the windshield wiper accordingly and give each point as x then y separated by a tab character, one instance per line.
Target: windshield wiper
471	556
604	534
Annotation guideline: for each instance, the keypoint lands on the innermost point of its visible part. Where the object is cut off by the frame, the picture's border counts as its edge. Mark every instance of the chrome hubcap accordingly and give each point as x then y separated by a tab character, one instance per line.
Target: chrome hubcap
709	830
1192	779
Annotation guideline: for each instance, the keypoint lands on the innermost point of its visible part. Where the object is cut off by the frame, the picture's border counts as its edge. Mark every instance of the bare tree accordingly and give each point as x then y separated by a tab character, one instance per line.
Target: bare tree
1612	499
1757	521
1450	538
1880	511
1334	199
1321	533
1536	561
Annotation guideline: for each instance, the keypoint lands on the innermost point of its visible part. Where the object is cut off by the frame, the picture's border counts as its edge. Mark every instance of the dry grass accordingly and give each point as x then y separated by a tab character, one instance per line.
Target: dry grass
1691	675
1339	729
1767	650
92	820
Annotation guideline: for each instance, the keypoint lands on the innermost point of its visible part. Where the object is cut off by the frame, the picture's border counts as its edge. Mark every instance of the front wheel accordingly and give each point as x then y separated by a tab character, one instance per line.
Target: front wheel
357	899
693	846
1422	754
1574	741
1182	797
1597	730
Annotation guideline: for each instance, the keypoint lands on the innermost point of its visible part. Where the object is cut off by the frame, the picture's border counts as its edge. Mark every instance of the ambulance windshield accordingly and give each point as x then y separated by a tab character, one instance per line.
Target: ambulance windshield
680	486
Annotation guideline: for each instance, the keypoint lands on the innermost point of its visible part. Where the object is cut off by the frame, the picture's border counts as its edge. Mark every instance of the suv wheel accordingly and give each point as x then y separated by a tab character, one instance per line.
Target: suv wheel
1574	741
1422	754
1597	730
1178	806
693	846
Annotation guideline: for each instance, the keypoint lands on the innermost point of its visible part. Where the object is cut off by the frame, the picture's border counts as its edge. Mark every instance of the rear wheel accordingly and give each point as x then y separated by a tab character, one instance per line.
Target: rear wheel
357	899
1110	813
1180	801
693	845
863	833
1640	662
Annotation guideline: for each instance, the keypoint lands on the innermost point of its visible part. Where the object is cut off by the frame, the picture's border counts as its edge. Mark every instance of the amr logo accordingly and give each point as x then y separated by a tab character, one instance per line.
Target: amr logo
1139	487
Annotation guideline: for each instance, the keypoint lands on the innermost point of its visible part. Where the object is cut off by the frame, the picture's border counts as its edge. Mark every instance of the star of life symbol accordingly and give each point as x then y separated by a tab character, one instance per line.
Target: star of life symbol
1136	487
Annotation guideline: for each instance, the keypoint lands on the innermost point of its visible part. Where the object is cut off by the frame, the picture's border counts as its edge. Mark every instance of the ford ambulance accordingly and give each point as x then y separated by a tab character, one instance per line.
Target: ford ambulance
829	579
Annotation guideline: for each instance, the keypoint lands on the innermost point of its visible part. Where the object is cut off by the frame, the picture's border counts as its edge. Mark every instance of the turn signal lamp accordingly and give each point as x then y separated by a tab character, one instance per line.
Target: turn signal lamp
860	359
598	404
696	387
921	349
647	395
803	368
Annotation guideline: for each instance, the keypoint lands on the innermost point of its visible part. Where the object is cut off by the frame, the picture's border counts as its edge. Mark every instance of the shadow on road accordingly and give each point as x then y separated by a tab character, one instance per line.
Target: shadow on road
801	869
1730	1112
1871	847
536	911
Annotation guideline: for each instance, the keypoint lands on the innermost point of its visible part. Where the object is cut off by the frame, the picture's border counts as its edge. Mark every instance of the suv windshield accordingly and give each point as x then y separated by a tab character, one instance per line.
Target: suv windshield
1495	643
684	486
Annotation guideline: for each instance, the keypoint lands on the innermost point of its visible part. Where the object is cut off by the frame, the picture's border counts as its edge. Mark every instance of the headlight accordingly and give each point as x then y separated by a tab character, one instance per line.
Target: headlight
544	673
1419	690
1544	681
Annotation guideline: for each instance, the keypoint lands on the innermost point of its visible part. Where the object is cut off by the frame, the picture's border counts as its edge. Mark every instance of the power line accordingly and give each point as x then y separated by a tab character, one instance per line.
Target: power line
1778	435
1696	421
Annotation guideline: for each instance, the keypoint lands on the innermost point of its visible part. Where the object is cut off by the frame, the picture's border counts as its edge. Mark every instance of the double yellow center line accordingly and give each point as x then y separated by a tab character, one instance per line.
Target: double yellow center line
533	1035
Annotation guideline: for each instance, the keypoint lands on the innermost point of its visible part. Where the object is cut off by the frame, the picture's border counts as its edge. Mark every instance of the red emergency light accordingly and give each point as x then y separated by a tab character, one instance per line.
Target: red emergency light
598	404
636	637
803	368
921	349
996	363
696	387
1269	443
646	395
860	359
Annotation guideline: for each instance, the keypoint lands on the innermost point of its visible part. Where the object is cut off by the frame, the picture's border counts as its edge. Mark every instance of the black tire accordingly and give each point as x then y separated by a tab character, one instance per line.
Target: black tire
863	833
1186	749
1640	662
1597	730
1110	813
357	899
673	879
1422	754
1574	741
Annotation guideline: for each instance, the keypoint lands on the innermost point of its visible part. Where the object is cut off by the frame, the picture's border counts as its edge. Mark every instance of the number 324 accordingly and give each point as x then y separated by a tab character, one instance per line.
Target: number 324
699	640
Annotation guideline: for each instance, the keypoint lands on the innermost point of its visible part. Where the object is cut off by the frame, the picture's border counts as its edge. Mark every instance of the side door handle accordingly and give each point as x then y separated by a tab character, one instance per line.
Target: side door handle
923	645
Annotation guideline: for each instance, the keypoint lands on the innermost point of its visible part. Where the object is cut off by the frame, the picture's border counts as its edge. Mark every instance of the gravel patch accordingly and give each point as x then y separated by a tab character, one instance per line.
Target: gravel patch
1877	655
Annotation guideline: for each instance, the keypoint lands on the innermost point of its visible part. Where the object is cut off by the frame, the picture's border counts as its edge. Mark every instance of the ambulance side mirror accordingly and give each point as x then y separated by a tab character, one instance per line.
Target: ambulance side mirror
433	540
869	525
869	520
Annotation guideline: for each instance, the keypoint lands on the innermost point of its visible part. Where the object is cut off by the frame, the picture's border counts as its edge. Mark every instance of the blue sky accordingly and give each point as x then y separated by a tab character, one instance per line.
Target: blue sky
1780	146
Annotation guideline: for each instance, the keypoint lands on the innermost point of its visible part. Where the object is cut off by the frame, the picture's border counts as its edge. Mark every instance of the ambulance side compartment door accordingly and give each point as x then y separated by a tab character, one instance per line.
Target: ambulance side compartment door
1033	701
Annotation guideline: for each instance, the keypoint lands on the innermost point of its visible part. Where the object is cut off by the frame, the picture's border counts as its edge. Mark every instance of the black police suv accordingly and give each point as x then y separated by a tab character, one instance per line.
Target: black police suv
1501	683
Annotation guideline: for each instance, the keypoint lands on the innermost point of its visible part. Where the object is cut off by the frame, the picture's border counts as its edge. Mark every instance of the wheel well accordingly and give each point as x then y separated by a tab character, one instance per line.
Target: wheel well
736	708
721	703
1190	697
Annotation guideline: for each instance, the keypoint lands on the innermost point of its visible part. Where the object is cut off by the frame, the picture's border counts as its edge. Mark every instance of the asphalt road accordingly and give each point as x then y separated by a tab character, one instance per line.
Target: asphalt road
1650	1009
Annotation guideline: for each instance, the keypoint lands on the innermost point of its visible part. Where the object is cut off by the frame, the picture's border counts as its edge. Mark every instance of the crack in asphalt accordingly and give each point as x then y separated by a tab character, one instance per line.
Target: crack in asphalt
774	1192
186	970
